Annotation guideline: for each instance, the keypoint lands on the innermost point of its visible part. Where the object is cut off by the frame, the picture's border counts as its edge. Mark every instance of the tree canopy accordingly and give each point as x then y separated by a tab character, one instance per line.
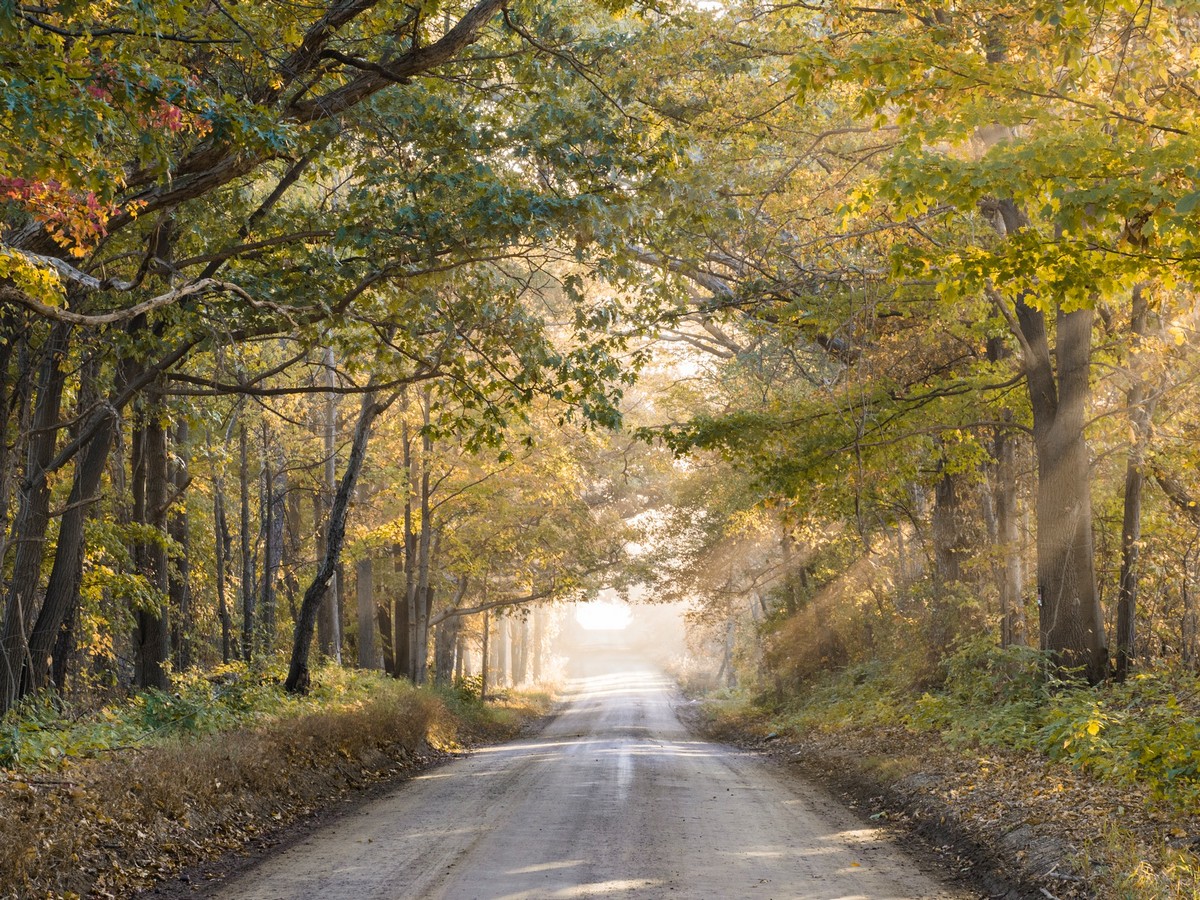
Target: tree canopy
900	285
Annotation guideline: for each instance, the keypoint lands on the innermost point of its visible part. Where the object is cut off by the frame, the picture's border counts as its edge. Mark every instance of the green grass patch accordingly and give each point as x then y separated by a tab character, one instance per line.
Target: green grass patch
1144	732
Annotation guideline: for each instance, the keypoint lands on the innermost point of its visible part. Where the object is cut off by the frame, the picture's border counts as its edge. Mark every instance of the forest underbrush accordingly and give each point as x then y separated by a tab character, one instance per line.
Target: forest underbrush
105	803
1080	792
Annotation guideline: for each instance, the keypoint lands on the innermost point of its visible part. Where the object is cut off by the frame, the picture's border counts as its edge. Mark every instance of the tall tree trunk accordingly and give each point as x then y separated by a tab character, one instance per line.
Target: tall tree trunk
222	544
448	637
1141	408
62	590
411	617
320	513
444	647
368	656
293	523
383	616
1004	493
60	606
460	653
179	586
298	671
485	651
152	635
426	547
791	592
948	543
331	634
274	485
520	633
1071	624
11	338
64	651
1004	505
539	627
249	626
32	519
401	644
500	663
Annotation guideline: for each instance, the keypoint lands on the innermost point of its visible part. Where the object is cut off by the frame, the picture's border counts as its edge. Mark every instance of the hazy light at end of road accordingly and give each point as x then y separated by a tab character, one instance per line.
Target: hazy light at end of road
603	615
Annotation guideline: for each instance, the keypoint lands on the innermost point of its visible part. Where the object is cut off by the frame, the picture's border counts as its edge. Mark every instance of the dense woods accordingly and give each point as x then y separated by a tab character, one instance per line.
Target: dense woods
320	325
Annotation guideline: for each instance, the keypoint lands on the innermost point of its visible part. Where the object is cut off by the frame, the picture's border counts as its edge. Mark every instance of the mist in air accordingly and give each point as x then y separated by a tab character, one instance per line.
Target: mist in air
609	633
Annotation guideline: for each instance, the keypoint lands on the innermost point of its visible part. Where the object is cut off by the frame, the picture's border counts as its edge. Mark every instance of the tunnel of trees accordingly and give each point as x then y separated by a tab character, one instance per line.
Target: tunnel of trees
365	330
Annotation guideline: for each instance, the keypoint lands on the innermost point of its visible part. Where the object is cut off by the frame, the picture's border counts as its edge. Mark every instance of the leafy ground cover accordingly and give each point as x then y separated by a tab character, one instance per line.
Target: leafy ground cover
104	804
1082	792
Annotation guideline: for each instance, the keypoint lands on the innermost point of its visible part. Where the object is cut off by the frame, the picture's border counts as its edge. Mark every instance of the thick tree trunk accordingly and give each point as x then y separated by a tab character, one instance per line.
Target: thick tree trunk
1072	627
444	648
298	671
47	638
62	590
946	532
32	519
64	651
1140	411
152	635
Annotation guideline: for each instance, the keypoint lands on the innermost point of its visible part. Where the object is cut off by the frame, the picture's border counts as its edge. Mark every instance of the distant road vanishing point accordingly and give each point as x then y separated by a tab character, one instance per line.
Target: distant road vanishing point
614	799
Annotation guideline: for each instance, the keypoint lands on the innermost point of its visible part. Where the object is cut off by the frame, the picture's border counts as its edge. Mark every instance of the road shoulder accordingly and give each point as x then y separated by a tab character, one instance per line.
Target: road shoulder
910	807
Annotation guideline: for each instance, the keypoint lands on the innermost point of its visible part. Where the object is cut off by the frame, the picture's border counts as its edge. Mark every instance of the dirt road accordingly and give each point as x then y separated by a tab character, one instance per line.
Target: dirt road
614	799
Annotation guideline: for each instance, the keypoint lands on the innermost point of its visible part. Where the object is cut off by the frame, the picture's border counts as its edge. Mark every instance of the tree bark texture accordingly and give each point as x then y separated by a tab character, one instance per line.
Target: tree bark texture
948	549
152	635
1071	624
66	575
1141	408
32	519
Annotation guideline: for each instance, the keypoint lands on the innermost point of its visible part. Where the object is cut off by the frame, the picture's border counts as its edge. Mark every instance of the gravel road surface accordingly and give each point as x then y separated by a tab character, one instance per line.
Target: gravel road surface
614	799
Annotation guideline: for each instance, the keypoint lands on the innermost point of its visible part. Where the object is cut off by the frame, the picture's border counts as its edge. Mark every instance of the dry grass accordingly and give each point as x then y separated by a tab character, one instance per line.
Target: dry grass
104	827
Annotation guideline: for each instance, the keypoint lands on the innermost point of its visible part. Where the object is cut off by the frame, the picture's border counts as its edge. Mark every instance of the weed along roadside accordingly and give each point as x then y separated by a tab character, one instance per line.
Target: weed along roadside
1026	787
106	805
